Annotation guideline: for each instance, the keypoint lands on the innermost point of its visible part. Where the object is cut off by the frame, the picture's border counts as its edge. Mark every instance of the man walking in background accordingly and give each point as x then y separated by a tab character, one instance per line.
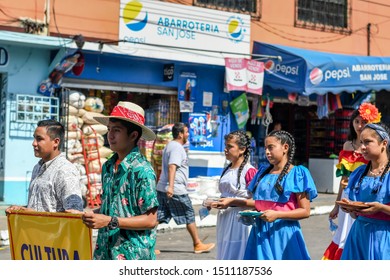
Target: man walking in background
172	194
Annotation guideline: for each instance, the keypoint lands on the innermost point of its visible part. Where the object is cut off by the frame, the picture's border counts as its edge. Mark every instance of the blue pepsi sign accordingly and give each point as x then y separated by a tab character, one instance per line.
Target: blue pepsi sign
307	72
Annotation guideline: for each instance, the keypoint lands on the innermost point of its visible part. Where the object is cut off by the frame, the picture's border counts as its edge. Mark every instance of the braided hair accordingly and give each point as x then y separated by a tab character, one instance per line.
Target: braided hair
285	138
243	142
368	166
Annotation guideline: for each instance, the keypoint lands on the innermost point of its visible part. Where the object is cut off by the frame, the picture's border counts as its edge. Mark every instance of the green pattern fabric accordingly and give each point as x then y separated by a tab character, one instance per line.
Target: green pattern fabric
131	191
343	172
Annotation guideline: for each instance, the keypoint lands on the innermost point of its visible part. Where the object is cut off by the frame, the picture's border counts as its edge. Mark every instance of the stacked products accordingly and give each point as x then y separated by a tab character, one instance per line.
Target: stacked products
163	136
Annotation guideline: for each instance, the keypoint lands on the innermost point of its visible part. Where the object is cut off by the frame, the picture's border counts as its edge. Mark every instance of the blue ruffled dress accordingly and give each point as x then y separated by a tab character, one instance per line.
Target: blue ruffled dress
281	239
369	237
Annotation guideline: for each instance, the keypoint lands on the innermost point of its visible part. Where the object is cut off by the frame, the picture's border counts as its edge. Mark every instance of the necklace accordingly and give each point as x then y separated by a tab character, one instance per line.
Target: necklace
377	173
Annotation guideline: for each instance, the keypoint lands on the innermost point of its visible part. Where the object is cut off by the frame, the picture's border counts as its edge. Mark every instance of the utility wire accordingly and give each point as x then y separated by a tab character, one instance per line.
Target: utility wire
375	3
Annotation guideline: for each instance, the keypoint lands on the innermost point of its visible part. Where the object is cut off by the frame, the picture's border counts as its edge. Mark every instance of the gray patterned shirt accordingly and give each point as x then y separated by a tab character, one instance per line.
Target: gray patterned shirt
55	186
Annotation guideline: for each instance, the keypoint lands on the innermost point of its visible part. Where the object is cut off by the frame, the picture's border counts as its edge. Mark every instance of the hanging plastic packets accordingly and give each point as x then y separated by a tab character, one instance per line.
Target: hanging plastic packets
255	104
267	119
203	212
332	226
259	110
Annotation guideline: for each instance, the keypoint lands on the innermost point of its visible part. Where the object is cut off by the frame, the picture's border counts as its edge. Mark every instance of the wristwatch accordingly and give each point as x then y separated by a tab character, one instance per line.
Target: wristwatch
114	223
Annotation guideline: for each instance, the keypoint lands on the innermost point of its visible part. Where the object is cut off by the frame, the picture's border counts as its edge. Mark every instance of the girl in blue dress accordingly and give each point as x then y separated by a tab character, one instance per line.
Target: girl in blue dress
369	237
282	192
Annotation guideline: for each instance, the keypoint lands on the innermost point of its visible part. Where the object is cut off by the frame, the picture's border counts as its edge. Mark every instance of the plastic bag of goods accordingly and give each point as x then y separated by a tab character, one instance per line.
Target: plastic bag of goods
94	104
91	129
104	152
164	134
74	146
77	99
90	142
74	123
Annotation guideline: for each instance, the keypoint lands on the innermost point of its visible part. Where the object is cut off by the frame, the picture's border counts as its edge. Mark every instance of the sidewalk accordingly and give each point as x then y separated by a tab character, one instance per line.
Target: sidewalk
323	204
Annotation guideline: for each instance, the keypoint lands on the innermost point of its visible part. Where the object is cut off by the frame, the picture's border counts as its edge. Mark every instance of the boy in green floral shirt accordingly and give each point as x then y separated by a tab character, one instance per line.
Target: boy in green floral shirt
127	217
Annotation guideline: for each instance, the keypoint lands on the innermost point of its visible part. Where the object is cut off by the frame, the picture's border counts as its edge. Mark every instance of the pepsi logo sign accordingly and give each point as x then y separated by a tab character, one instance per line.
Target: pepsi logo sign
269	65
316	76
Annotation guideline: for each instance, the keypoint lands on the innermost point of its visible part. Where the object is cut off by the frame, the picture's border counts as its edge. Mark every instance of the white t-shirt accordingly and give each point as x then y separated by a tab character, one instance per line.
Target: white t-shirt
174	153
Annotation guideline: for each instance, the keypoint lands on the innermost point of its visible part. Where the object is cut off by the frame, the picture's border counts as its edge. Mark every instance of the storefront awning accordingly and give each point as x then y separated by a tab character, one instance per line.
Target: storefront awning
307	72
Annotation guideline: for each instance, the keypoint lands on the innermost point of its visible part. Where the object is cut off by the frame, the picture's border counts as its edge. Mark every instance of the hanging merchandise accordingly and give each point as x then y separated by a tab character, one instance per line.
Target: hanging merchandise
255	104
259	111
267	119
240	110
334	102
322	106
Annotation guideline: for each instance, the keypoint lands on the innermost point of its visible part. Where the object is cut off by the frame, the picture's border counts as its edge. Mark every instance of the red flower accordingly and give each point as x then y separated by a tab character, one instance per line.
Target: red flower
369	113
121	257
141	202
125	201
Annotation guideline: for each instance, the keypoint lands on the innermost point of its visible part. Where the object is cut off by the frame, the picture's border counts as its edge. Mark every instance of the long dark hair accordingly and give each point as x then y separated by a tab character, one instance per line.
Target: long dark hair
368	166
352	135
285	138
243	141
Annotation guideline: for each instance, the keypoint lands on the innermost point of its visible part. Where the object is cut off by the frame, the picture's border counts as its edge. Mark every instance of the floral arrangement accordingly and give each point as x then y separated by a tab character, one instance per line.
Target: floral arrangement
369	113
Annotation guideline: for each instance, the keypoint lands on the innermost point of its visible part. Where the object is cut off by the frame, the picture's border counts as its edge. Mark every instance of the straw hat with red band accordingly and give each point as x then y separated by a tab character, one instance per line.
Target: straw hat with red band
130	112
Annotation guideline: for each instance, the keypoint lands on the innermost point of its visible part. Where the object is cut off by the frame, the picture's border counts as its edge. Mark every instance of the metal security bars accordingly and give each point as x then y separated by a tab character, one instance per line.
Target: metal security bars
251	7
325	15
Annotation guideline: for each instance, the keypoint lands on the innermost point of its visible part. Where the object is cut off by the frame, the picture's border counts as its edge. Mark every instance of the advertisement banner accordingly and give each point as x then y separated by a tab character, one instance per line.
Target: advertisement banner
255	76
198	128
308	72
48	236
240	110
235	74
187	86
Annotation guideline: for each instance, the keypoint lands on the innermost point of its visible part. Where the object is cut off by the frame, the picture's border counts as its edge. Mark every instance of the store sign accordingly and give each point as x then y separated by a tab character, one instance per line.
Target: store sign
169	70
3	57
159	23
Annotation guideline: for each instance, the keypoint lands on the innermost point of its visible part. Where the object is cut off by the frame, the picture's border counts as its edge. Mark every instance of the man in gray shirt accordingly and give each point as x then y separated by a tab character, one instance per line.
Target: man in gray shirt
172	194
55	182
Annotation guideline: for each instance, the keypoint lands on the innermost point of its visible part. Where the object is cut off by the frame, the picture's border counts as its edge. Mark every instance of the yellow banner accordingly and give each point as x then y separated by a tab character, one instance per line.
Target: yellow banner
48	236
